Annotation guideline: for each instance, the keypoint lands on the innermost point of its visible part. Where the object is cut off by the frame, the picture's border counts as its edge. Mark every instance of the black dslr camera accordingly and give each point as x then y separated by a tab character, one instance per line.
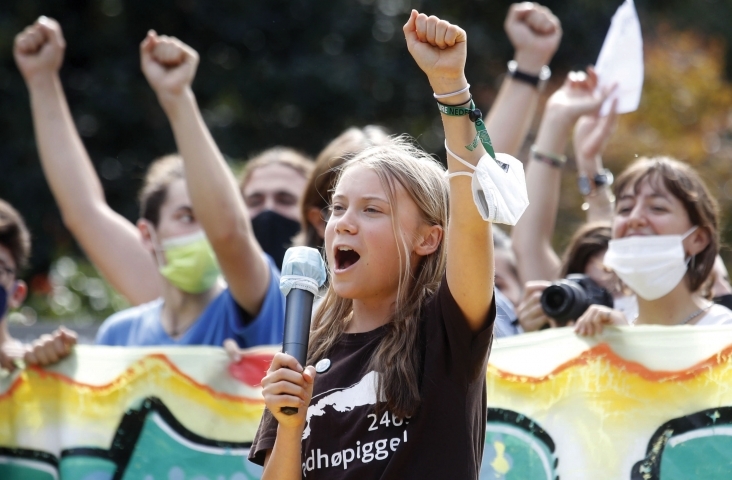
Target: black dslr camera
568	299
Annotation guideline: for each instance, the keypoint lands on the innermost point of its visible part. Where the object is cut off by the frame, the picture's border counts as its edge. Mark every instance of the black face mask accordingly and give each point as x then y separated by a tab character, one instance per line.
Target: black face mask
3	302
724	300
274	234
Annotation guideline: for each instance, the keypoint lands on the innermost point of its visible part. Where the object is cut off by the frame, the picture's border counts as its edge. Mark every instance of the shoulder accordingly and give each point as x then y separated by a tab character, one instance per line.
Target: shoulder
443	304
717	315
122	322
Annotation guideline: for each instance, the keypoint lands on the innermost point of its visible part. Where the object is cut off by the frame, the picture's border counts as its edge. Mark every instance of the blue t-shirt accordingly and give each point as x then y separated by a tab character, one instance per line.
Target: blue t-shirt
506	321
223	318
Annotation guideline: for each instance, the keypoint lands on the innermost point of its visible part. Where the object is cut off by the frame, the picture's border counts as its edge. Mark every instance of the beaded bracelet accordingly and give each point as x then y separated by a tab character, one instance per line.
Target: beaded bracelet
551	159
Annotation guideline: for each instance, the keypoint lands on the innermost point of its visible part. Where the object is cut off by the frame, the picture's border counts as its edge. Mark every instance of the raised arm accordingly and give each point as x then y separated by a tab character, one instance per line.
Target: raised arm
532	236
111	241
535	34
170	66
591	134
439	49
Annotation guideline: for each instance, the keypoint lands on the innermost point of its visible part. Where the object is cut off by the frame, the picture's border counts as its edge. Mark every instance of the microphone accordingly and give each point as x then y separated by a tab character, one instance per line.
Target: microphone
303	273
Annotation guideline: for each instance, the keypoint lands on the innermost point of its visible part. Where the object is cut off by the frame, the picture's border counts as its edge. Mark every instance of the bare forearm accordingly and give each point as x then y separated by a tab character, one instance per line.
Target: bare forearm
600	205
283	463
510	116
533	233
110	240
218	204
469	242
64	159
211	185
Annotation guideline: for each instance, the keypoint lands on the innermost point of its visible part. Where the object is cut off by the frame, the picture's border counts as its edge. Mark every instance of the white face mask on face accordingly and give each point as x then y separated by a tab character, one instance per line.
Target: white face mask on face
650	265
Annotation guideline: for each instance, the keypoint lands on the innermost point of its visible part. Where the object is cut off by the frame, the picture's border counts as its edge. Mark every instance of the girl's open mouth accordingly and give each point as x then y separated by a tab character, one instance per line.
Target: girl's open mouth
345	257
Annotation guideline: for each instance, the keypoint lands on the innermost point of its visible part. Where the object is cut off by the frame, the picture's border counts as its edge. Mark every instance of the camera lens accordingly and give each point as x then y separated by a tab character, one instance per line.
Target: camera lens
564	301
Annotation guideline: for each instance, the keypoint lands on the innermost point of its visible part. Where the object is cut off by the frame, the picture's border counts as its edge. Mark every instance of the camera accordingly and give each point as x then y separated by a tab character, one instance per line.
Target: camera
568	299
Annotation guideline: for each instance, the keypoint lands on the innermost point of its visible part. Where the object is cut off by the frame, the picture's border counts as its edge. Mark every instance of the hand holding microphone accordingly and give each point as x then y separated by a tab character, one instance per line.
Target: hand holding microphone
303	273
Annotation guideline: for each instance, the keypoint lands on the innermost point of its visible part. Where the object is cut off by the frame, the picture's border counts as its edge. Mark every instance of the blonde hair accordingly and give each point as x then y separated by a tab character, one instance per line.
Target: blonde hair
324	175
398	358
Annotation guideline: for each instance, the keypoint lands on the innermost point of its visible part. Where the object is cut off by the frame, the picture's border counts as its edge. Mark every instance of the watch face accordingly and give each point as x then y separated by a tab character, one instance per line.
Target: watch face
604	178
545	73
584	185
609	178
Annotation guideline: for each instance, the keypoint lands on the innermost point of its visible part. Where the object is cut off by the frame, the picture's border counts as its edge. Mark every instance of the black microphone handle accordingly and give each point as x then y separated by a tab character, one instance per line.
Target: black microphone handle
298	313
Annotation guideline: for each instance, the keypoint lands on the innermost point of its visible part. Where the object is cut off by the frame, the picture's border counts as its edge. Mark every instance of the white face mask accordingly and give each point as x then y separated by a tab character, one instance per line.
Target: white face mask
499	187
650	265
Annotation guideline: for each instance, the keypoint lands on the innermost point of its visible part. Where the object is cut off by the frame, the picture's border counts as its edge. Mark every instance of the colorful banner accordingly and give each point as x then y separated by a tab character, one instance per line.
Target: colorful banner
637	403
133	414
640	403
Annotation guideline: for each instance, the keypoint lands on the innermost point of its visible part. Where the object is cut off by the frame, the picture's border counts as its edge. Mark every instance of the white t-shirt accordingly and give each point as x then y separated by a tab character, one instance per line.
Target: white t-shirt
717	315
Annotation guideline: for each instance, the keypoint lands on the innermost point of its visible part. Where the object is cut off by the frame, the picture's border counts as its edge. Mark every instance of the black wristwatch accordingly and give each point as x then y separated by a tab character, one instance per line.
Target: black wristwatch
537	81
588	185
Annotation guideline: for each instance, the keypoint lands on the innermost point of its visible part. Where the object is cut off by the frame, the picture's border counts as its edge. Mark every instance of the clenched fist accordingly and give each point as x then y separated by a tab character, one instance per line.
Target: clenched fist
439	48
535	34
168	64
39	49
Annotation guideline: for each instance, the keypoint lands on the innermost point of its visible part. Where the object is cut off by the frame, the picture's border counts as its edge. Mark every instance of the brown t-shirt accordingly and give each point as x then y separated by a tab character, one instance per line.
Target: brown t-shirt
345	439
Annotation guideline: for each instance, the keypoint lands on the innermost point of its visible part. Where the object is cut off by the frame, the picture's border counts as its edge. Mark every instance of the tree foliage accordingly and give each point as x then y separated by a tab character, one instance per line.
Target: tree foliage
297	72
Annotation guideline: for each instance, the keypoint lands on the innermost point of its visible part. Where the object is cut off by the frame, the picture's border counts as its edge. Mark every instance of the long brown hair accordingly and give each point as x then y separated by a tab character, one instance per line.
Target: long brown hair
589	240
398	358
684	183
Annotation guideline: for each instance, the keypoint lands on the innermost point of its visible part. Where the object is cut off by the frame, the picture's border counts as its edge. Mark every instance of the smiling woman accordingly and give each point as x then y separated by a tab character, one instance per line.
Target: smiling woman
665	241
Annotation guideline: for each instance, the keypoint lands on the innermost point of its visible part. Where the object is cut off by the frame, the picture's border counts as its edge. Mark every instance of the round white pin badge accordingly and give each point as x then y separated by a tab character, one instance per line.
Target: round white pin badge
322	365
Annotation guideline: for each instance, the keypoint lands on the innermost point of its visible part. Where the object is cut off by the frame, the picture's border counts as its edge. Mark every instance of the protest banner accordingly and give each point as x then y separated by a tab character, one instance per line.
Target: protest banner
640	403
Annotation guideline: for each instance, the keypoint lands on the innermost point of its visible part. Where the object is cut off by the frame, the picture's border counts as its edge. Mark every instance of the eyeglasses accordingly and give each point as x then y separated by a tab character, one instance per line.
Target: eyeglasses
6	273
325	213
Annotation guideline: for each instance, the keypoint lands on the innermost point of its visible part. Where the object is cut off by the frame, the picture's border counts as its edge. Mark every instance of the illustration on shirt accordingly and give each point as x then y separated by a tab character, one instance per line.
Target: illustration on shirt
517	448
343	400
381	435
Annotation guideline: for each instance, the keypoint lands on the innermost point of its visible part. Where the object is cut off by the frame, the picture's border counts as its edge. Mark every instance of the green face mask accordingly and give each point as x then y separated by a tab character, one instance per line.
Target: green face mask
190	263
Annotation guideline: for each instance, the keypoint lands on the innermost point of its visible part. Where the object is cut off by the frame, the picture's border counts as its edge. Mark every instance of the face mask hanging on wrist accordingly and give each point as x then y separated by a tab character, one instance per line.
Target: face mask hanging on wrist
650	265
190	262
499	187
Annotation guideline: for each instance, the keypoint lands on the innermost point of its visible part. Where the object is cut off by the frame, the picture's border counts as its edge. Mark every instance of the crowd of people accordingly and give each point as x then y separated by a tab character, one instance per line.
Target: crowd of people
201	265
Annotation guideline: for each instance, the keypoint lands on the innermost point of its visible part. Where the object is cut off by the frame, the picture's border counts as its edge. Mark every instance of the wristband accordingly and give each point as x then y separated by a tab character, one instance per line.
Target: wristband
588	185
475	116
537	81
551	159
447	95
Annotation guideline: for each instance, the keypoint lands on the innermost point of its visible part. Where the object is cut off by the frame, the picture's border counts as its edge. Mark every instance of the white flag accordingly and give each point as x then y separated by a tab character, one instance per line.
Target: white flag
621	60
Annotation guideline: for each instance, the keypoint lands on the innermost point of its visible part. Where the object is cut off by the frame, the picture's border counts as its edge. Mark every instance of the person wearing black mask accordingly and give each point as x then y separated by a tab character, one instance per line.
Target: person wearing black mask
272	184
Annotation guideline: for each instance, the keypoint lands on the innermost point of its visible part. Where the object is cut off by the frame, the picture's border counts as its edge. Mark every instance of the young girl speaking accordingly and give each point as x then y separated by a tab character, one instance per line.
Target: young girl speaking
401	341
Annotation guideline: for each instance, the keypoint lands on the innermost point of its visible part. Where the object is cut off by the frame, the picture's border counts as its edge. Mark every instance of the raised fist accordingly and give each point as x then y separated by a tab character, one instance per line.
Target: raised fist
168	64
39	49
439	48
535	34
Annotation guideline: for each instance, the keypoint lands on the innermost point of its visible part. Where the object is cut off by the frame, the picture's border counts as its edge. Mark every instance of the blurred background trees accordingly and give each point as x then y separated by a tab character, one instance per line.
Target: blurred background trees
297	72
